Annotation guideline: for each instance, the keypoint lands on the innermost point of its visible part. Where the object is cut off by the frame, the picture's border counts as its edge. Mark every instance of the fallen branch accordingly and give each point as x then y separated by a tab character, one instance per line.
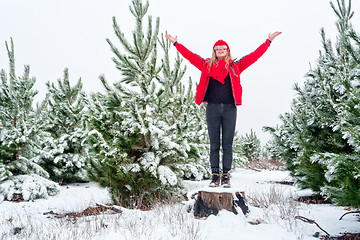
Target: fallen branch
304	219
90	211
349	213
257	170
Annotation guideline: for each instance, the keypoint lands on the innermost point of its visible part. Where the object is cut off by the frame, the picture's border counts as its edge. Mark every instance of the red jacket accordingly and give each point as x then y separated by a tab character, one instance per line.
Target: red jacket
236	68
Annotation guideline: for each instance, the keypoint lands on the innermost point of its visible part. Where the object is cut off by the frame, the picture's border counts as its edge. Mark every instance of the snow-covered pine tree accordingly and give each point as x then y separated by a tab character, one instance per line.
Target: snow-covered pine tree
135	126
239	159
319	138
64	118
20	137
343	168
250	146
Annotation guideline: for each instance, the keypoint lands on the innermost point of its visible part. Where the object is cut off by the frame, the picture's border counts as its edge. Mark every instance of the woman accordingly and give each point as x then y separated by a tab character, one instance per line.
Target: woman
220	87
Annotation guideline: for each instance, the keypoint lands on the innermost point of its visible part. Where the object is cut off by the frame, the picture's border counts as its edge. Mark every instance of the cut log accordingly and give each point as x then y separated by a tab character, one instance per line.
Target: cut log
208	203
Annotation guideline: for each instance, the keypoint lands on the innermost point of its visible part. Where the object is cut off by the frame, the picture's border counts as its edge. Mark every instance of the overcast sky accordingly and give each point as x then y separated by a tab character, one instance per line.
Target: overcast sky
52	35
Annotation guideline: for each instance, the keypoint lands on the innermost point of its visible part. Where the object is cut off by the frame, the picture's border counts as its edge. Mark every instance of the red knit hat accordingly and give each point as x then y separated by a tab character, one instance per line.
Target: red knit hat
221	42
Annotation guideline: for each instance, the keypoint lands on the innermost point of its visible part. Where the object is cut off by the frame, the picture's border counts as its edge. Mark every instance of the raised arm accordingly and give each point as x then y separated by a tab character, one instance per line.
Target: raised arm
193	58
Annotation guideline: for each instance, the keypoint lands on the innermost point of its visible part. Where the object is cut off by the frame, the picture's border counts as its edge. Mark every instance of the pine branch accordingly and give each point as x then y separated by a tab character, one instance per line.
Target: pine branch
148	41
11	55
122	38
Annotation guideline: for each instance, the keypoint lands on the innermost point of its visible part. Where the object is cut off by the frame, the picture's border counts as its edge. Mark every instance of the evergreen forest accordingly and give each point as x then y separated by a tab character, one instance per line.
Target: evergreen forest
143	135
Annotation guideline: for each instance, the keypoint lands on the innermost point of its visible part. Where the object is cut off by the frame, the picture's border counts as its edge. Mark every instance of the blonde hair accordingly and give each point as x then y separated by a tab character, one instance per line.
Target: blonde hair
213	59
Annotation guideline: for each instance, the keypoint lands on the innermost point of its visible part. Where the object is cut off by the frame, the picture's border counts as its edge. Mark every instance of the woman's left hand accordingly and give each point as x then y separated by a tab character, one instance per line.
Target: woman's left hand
272	36
171	38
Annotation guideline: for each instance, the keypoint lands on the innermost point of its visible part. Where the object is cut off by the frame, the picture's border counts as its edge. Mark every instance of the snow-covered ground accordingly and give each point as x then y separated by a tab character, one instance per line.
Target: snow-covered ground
270	205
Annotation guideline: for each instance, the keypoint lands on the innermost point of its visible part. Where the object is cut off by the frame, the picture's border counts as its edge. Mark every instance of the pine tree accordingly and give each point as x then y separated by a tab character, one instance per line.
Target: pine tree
250	146
65	116
147	133
319	138
239	158
133	147
20	137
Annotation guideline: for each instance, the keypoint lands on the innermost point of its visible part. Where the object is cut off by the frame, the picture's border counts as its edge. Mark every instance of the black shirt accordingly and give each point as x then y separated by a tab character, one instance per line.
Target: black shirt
219	93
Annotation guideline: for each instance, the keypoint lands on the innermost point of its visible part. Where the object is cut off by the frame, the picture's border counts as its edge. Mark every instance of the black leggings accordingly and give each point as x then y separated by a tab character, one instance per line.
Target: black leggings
221	116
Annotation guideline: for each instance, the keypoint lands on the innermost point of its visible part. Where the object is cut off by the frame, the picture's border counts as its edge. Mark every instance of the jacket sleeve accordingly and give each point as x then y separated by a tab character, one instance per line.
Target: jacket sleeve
193	58
248	60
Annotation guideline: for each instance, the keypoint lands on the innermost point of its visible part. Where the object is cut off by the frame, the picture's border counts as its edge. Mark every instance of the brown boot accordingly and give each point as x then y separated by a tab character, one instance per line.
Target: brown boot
225	180
215	180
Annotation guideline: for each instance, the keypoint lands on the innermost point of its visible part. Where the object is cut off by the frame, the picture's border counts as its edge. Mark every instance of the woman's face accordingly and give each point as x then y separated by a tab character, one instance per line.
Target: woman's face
220	51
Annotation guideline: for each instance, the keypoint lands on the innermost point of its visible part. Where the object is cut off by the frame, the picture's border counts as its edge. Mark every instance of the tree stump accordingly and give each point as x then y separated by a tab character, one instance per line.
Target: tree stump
17	197
208	203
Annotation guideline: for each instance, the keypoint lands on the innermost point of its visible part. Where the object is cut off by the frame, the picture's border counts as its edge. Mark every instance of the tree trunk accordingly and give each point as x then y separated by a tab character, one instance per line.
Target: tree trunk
208	203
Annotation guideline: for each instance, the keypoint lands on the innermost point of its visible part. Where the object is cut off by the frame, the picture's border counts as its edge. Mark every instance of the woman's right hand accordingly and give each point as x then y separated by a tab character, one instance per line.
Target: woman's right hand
171	38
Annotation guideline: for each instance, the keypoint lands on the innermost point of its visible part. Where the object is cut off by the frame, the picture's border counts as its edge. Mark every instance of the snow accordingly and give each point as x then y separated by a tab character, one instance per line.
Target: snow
166	175
175	221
